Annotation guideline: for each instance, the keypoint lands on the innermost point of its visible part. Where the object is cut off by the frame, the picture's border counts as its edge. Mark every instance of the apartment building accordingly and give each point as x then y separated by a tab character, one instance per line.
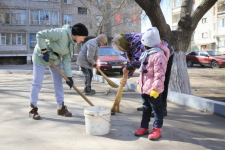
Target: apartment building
20	20
210	32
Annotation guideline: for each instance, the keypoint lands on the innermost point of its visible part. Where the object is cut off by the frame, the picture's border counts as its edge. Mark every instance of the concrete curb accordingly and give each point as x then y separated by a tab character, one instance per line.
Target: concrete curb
202	104
198	103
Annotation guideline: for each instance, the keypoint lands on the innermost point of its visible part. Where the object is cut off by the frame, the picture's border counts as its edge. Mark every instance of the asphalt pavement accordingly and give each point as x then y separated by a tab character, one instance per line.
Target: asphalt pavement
184	128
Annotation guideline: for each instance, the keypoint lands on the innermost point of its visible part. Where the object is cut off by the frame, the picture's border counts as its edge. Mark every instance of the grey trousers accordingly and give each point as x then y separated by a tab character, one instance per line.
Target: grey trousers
38	76
88	74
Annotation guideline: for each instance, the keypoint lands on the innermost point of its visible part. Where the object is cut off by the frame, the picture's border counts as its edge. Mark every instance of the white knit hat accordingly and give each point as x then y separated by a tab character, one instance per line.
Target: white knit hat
151	37
103	38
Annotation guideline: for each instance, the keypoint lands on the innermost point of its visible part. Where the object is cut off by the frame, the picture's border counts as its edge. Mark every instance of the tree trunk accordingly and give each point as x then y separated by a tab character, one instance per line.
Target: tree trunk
179	79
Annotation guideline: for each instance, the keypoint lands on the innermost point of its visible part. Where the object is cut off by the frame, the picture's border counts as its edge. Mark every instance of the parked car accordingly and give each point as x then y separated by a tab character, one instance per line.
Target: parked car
206	58
110	60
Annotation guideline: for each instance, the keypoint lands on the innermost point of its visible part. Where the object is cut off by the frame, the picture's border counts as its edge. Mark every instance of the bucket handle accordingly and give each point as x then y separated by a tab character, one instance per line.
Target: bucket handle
105	119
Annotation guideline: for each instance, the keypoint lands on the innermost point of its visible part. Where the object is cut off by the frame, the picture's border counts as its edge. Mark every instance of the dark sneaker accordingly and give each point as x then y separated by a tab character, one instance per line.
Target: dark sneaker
140	109
34	113
64	111
90	92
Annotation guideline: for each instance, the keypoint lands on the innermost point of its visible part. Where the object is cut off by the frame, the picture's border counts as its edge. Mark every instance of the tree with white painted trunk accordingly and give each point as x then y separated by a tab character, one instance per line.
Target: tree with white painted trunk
180	38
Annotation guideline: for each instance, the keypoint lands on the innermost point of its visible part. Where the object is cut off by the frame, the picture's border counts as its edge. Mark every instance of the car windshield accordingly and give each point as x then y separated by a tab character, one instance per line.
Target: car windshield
214	53
108	51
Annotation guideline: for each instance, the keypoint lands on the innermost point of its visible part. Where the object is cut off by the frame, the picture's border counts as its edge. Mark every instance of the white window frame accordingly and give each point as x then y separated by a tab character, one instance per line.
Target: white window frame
17	35
204	20
39	18
205	35
67	1
221	43
67	19
2	37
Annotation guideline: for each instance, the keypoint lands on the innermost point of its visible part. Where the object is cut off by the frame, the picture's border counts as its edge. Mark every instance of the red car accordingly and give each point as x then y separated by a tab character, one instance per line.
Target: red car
205	58
110	60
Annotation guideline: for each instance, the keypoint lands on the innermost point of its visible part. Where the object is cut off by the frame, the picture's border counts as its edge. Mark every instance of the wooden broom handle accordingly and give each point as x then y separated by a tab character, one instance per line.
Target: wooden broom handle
75	88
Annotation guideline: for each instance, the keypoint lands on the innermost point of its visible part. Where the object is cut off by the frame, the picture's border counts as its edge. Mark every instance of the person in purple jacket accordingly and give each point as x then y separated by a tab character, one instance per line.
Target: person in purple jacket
130	43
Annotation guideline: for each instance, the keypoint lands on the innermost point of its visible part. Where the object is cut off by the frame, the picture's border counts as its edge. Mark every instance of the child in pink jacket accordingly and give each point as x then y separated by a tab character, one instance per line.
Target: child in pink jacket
151	82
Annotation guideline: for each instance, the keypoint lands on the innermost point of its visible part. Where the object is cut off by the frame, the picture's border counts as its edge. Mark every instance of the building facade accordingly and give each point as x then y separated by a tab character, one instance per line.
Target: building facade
20	20
210	32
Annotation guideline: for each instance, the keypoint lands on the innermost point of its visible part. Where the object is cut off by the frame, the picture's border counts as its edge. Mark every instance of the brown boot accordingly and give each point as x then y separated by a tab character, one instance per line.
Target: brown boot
63	111
34	113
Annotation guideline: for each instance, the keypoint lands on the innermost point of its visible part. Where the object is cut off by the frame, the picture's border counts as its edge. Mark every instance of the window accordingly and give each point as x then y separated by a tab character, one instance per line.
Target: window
176	3
13	17
33	40
100	2
42	17
3	39
127	19
221	42
82	10
99	20
202	53
118	18
221	23
204	35
204	20
67	1
12	39
194	53
134	19
67	19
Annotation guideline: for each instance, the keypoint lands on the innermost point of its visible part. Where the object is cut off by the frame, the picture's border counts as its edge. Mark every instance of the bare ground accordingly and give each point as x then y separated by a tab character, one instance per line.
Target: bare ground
208	83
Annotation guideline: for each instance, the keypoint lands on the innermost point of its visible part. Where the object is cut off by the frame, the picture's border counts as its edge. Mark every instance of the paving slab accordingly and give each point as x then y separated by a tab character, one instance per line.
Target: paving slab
183	128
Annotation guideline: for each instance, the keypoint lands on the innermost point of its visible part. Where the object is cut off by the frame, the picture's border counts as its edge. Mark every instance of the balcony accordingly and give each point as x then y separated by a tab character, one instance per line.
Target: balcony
221	8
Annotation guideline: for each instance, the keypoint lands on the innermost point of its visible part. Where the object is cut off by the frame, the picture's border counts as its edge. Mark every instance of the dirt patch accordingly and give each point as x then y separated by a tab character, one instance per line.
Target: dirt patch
208	83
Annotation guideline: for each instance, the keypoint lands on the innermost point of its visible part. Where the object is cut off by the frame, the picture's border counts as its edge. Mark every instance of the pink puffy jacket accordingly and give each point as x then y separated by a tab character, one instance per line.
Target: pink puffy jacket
153	75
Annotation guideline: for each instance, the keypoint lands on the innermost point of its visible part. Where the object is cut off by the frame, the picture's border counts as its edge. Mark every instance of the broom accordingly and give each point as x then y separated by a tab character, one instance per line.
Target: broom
75	88
115	107
110	82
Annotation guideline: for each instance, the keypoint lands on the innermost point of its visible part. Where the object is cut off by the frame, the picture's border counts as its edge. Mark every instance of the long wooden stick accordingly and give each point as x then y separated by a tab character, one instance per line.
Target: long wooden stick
74	87
110	82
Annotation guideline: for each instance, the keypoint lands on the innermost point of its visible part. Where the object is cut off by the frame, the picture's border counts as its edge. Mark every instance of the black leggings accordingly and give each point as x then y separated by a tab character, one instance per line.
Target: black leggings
166	82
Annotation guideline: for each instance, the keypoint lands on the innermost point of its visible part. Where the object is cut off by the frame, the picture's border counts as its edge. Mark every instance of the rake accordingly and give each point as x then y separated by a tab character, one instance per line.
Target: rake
110	82
74	87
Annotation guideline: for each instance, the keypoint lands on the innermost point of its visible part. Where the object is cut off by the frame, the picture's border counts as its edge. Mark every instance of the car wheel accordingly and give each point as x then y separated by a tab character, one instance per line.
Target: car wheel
189	63
95	71
215	64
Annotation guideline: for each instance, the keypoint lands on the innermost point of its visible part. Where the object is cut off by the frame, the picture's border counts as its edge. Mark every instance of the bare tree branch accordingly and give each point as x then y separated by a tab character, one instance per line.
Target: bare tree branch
200	11
155	14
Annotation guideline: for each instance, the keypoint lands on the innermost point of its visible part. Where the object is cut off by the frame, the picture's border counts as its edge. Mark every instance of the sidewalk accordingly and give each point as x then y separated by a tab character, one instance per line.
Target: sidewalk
183	129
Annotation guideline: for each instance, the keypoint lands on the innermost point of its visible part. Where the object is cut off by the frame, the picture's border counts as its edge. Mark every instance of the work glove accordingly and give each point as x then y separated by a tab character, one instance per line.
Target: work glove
70	83
45	55
137	86
154	94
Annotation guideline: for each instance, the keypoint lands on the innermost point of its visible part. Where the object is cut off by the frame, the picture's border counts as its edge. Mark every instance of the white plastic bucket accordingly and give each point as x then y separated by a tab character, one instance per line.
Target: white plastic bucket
97	120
